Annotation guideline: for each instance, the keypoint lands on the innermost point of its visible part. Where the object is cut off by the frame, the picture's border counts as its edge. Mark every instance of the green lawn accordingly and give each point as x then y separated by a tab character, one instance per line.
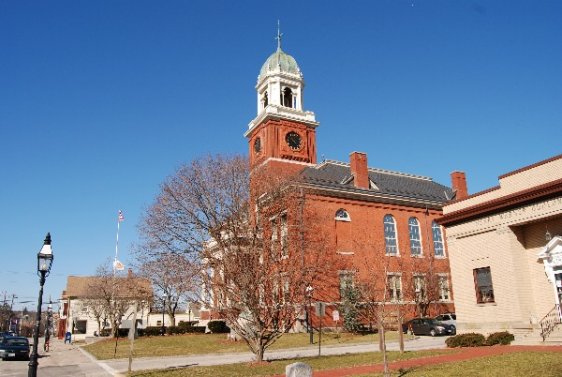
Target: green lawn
192	344
278	366
518	364
528	364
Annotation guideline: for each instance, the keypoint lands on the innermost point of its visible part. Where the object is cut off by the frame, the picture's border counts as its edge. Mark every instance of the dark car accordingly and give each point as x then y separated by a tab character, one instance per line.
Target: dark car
15	347
428	326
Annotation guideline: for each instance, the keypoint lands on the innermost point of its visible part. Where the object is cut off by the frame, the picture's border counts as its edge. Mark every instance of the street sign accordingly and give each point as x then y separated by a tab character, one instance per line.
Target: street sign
336	315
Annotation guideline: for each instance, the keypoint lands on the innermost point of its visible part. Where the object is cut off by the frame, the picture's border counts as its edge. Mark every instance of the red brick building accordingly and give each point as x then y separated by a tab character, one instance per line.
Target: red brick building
380	224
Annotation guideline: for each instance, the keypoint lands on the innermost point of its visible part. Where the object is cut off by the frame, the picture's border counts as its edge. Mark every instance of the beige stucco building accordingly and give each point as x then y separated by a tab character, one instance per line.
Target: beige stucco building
505	250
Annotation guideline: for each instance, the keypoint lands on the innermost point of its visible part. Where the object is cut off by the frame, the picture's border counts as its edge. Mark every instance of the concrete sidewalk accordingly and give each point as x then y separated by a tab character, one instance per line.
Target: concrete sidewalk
120	366
62	360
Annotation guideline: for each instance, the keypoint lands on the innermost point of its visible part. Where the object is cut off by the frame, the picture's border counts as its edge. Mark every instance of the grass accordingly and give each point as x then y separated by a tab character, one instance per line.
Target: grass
194	344
278	366
528	364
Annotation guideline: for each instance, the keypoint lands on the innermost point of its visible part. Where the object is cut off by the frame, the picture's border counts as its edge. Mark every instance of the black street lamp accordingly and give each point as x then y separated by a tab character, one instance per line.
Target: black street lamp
44	262
163	328
309	290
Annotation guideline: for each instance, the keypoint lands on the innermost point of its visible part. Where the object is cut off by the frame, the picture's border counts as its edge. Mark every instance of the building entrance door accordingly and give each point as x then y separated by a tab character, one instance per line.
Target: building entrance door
558	286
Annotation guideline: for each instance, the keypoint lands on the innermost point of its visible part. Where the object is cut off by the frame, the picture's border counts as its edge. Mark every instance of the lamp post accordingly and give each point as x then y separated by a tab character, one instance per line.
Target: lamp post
163	329
44	262
309	290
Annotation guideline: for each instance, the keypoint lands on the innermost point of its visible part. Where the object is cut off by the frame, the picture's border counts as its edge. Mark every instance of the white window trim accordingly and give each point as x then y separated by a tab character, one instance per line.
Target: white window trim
348	218
420	240
444	256
397	254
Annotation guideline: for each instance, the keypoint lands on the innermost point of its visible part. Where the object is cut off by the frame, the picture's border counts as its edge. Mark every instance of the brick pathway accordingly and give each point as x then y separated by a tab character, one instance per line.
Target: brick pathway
454	355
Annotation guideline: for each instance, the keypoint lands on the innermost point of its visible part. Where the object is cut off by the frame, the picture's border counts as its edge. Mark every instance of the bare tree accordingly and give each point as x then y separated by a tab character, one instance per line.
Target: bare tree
250	235
113	295
174	277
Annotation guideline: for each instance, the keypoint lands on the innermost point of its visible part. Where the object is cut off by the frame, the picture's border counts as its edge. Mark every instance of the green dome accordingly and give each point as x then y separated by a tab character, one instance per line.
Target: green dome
280	60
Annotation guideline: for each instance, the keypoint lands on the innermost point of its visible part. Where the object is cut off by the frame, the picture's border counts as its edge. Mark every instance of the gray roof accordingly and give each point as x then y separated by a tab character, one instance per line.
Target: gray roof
387	186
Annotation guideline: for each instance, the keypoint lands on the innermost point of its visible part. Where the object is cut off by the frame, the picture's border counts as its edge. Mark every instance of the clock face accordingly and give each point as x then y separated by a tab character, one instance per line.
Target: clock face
257	145
293	140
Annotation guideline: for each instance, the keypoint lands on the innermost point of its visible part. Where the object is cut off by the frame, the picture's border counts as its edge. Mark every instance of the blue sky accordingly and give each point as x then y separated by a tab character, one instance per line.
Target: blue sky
102	100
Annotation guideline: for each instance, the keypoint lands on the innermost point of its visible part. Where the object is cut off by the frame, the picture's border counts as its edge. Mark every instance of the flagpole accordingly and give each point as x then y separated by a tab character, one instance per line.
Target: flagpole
116	244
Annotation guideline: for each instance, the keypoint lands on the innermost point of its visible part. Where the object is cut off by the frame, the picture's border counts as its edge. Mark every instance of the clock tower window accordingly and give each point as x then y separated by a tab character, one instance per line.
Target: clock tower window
265	99
287	97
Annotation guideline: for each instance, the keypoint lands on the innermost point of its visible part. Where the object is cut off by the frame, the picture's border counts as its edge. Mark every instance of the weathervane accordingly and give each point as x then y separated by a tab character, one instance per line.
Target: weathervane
279	35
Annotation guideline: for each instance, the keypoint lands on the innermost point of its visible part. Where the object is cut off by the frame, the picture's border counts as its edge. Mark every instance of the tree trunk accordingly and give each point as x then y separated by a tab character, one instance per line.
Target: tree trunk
386	372
259	353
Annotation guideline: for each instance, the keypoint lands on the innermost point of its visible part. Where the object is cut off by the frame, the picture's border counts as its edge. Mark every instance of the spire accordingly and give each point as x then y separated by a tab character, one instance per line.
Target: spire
279	35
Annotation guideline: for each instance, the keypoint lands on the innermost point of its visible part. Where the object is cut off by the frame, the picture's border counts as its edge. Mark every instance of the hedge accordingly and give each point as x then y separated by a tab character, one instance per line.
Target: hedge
218	327
503	338
466	340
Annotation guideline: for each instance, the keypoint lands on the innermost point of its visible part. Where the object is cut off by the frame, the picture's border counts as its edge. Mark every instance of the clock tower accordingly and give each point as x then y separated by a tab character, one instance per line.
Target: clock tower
282	133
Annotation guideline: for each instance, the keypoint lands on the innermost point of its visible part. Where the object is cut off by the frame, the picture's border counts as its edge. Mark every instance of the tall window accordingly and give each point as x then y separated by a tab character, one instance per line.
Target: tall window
419	287
394	287
287	97
390	240
265	99
444	294
346	283
284	236
415	236
483	285
274	238
437	240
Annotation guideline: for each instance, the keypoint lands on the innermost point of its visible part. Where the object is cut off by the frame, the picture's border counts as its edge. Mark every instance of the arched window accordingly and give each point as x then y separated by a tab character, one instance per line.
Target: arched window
342	215
265	99
391	243
437	240
415	236
288	97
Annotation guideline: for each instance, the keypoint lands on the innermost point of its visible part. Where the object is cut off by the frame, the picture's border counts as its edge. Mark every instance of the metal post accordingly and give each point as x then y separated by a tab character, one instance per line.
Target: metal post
32	371
163	329
310	328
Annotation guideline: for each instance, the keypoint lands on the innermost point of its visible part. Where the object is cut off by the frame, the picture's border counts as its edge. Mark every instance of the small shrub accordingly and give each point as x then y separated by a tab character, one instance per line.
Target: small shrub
187	324
218	327
502	337
466	340
195	329
150	331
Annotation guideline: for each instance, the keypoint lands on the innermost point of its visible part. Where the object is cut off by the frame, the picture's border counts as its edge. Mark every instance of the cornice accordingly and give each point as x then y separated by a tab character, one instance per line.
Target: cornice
517	199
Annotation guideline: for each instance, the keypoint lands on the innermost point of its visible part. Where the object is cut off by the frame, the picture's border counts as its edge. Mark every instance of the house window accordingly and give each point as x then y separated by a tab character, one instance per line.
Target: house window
286	290
437	240
444	294
158	323
394	287
346	283
391	243
483	285
284	236
415	236
274	238
342	215
419	287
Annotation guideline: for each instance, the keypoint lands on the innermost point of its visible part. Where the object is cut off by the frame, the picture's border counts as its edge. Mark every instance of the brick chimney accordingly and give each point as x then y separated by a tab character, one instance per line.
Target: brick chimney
358	162
458	181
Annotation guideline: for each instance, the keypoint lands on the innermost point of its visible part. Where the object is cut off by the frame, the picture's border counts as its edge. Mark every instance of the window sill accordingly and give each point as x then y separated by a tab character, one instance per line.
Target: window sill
440	257
487	304
392	255
345	252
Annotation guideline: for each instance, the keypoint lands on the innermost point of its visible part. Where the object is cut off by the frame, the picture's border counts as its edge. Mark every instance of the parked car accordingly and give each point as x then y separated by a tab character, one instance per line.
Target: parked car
6	334
428	326
447	318
14	347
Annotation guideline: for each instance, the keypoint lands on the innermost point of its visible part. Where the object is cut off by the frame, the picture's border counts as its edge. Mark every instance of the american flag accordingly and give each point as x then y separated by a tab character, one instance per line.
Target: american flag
120	217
